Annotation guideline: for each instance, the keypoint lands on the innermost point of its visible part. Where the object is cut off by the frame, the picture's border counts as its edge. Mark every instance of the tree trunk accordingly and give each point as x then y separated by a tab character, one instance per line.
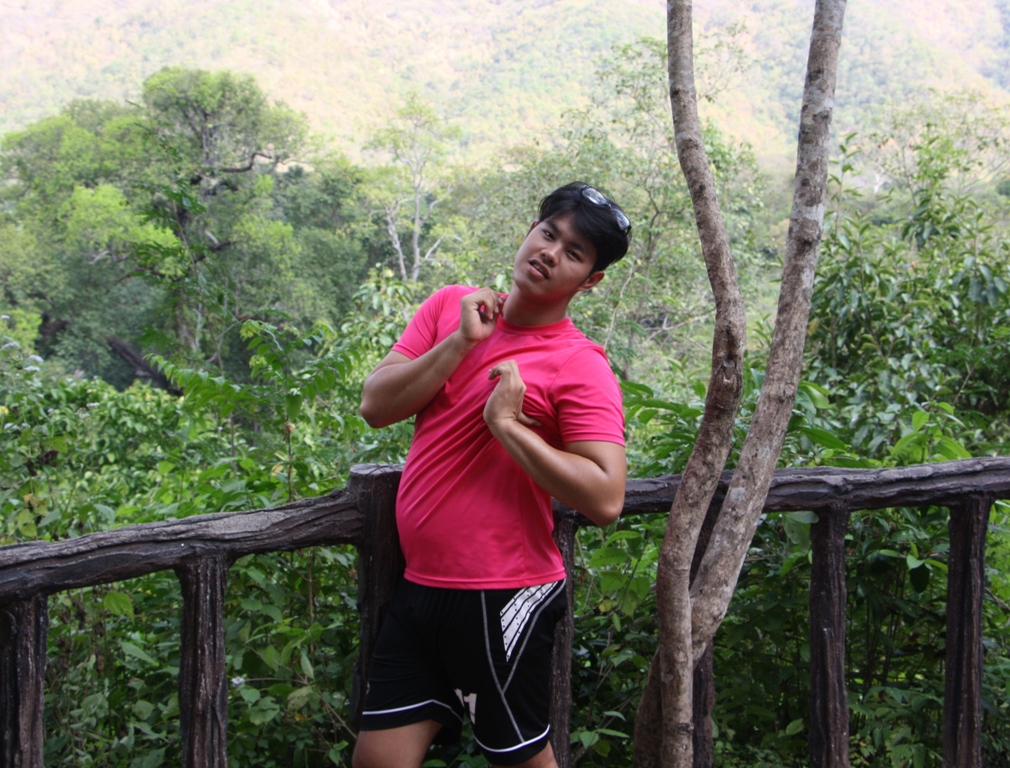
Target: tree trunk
701	475
690	613
745	497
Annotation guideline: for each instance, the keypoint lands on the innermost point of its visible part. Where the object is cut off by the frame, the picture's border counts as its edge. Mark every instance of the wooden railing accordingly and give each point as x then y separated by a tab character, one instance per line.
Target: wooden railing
201	549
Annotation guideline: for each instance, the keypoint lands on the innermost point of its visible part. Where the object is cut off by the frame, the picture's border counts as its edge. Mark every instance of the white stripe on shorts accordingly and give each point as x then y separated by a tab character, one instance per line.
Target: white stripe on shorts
517	612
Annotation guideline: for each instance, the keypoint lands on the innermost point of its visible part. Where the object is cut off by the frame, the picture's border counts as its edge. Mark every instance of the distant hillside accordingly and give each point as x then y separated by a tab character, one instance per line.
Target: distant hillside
505	70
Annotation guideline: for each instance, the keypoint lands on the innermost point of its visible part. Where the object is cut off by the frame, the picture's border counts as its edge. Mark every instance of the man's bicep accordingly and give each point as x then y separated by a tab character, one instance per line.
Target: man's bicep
610	457
608	486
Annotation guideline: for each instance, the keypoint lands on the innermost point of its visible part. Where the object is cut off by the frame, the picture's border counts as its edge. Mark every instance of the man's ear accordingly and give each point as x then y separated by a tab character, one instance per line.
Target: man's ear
593	279
532	226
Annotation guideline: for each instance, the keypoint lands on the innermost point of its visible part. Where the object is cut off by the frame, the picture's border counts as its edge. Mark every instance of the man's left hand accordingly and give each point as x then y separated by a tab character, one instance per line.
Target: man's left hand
506	401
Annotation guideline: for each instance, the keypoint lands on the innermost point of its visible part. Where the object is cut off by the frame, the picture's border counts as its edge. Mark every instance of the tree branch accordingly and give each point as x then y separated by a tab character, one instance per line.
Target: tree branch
673	665
248	166
689	614
141	367
394	237
735	527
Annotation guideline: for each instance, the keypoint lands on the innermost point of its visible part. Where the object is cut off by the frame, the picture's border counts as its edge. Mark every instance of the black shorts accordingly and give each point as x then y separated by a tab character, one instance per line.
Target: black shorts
487	652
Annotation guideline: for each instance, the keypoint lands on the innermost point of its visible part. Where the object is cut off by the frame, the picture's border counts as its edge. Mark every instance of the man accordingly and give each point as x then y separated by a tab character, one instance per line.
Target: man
513	406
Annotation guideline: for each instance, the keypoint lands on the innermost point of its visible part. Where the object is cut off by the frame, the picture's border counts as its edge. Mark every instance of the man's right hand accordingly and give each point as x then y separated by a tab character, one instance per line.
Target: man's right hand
399	386
478	314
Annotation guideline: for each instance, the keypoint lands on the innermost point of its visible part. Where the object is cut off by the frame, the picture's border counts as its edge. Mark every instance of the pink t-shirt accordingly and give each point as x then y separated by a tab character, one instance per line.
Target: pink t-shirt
469	517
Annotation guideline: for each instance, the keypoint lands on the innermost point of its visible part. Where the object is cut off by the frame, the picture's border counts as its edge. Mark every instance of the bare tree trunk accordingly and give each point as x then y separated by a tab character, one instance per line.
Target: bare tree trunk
701	475
394	238
690	613
745	498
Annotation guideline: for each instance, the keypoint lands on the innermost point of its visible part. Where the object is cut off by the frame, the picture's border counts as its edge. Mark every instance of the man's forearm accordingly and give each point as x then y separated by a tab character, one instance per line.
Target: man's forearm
400	387
593	486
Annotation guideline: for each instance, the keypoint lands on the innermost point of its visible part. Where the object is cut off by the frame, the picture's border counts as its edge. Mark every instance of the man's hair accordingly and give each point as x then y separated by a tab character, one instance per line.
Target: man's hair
595	221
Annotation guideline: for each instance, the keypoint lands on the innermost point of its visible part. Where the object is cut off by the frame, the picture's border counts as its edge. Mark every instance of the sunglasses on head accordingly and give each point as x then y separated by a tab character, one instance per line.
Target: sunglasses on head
596	197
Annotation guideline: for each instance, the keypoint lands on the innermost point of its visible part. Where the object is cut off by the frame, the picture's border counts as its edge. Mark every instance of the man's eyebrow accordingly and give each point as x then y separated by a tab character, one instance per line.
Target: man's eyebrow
575	244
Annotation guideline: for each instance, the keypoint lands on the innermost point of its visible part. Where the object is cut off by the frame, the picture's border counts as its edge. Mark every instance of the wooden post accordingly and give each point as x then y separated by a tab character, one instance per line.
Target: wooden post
203	693
380	563
829	705
24	626
962	711
565	527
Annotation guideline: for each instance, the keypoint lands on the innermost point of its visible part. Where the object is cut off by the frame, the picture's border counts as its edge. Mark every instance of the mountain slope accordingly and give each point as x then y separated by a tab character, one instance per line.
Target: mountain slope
505	70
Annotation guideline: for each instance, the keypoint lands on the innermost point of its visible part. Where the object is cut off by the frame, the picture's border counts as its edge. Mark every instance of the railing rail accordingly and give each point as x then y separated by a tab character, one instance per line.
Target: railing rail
200	550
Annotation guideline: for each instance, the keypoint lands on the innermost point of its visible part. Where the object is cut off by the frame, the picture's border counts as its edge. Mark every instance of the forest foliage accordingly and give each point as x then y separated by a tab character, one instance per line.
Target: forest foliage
192	293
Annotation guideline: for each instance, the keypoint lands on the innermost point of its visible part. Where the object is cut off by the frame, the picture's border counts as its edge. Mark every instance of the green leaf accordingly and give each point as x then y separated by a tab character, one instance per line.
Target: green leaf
824	438
919	419
143	709
264	712
299	697
588	738
119	604
132	650
307	669
817	395
951	449
152	759
293	406
920	578
612	581
794	727
809	518
606	556
640	586
108	513
798	532
271	656
791	562
623	535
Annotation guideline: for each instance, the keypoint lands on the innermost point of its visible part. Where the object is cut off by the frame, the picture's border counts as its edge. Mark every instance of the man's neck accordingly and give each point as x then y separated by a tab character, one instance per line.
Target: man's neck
519	311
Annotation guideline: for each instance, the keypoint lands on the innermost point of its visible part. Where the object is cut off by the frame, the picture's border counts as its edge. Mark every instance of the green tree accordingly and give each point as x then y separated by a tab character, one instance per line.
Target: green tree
157	215
409	190
910	311
338	241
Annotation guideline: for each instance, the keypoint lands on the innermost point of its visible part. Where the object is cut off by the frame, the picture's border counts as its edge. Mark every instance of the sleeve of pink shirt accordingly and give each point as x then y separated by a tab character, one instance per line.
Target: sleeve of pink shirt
421	333
588	399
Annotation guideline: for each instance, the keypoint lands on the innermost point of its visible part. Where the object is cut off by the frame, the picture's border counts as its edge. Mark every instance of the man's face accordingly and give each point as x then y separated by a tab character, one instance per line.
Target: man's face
555	261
